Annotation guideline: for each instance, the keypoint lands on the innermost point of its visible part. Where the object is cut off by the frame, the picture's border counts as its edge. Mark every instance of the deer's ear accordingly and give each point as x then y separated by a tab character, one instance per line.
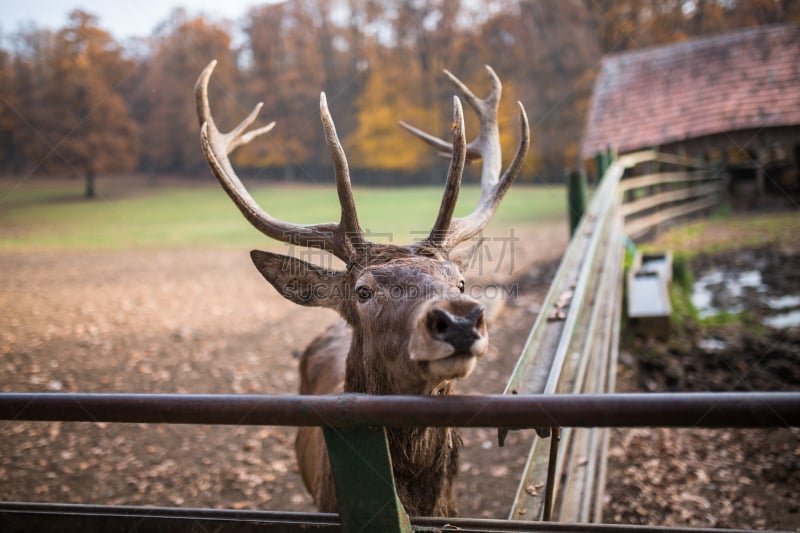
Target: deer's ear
301	282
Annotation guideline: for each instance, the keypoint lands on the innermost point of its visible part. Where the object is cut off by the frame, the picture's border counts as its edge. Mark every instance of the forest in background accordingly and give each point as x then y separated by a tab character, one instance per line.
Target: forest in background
76	102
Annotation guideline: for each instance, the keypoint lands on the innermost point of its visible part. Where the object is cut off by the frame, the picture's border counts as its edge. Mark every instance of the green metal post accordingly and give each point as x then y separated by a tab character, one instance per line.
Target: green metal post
600	162
365	488
576	197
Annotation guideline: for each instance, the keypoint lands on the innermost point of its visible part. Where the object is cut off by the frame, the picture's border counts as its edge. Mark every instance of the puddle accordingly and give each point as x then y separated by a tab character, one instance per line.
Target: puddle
710	344
783	302
783	320
735	290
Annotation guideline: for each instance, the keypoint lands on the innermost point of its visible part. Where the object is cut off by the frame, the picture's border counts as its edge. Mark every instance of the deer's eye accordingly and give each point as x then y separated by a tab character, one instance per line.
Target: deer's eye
363	293
461	285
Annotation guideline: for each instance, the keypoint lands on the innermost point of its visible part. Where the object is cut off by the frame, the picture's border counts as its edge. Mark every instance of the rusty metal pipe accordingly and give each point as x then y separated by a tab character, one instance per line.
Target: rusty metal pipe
776	409
47	517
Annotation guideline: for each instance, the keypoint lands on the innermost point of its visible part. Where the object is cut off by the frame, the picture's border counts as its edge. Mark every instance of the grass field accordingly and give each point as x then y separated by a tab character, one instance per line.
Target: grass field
729	232
53	216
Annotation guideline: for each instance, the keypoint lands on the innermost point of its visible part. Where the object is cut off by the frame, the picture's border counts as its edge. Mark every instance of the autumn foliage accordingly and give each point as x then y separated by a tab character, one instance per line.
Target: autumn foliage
76	102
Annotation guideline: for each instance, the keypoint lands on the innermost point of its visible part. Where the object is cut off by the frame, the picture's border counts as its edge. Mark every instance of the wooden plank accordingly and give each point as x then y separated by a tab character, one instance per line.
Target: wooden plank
579	349
667	197
636	158
545	350
593	318
639	226
680	160
610	388
565	375
609	341
581	468
649	180
529	500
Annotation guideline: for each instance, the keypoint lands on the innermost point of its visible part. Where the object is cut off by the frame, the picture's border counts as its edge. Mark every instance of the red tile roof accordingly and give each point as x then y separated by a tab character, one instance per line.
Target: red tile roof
734	81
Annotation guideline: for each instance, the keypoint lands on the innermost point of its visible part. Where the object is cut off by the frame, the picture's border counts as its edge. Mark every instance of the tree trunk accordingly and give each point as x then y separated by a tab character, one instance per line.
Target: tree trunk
90	192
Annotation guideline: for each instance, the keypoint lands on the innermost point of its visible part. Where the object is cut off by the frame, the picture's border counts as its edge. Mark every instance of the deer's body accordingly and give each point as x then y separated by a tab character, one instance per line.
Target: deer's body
407	327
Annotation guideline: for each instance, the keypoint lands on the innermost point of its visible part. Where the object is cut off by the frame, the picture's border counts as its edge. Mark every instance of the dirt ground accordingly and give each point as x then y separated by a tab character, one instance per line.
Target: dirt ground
205	322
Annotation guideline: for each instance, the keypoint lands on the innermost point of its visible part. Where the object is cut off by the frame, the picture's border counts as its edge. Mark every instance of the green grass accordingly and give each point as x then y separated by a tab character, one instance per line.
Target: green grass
727	231
54	217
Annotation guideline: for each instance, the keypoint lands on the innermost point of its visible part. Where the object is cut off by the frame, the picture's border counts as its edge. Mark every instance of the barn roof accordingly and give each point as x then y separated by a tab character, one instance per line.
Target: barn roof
735	81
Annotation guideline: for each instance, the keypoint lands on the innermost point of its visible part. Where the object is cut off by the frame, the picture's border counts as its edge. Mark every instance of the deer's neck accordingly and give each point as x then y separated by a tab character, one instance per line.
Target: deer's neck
424	460
376	370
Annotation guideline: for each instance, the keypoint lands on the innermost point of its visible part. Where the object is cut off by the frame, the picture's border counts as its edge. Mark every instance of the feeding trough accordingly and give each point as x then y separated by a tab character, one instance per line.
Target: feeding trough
648	293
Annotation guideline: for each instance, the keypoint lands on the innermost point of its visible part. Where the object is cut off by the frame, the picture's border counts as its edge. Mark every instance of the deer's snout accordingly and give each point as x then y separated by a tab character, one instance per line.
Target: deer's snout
448	328
459	331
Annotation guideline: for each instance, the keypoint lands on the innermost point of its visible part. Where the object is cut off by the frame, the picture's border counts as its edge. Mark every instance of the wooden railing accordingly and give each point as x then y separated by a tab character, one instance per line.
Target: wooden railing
655	199
574	343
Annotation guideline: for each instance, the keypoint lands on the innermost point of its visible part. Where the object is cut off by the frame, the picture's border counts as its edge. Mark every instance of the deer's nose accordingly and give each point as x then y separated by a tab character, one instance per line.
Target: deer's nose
460	330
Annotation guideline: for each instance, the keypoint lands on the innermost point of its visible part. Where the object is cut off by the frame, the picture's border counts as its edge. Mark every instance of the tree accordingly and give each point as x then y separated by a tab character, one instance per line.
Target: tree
182	47
71	100
632	24
378	143
8	106
548	56
73	117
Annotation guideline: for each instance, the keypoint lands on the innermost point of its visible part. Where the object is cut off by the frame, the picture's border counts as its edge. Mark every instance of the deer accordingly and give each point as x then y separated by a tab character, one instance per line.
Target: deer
406	326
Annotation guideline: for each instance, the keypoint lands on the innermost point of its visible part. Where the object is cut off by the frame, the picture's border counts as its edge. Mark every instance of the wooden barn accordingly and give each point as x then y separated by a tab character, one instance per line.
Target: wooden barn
733	98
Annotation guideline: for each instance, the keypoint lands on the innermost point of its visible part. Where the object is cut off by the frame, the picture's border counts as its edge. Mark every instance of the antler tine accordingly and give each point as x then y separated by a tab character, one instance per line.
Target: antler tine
443	146
487	113
441	227
475	102
485	146
217	146
468	226
351	229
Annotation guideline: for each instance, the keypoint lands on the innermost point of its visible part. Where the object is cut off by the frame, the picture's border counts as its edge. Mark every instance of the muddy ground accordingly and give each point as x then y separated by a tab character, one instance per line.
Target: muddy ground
714	478
206	322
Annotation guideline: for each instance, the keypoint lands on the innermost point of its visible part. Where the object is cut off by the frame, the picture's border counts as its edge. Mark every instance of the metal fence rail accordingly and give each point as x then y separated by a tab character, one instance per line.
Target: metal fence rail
66	518
735	409
342	414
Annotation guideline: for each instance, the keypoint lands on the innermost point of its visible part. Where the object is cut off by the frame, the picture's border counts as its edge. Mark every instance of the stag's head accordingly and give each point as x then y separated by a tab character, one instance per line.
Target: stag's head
414	329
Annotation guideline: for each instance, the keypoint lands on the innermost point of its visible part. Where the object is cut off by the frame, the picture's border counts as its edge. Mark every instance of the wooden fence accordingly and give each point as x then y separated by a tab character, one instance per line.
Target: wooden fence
574	344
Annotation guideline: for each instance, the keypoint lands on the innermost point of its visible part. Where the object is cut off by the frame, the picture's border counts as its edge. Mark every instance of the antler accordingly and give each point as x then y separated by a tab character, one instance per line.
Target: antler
485	146
340	239
439	233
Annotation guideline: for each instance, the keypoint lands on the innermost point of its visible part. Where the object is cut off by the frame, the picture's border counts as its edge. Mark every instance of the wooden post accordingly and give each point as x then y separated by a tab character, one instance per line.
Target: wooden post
603	160
602	165
761	160
576	198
